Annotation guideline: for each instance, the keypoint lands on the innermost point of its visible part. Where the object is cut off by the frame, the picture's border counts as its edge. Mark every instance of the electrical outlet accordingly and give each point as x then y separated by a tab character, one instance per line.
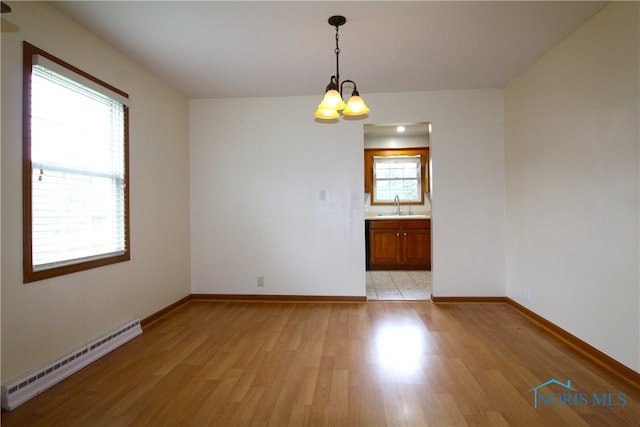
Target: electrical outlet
260	281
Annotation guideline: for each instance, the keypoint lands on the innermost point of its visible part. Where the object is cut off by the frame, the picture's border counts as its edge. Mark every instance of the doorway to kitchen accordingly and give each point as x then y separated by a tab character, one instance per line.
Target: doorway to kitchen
397	208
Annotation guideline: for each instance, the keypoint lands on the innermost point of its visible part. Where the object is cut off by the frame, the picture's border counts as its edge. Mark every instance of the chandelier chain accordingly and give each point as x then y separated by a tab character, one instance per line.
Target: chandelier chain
337	51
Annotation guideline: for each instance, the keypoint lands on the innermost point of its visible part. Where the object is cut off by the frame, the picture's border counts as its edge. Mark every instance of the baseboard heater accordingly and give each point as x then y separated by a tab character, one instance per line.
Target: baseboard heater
24	388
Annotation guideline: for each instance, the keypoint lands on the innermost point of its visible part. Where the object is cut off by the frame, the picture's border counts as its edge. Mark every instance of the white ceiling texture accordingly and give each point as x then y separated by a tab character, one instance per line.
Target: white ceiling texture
226	49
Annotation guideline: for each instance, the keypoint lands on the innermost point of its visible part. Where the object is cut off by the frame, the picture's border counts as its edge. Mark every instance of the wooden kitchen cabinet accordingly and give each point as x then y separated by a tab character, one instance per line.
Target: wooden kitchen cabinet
400	244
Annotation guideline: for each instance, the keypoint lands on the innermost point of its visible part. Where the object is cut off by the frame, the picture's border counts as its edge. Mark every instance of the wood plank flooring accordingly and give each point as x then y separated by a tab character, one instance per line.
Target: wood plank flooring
381	363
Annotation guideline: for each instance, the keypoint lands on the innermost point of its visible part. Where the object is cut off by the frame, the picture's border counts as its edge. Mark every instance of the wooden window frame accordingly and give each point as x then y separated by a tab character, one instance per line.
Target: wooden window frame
370	153
29	275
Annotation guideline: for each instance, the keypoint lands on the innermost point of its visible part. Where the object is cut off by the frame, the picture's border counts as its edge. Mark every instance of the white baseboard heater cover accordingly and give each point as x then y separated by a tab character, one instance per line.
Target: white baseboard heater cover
24	388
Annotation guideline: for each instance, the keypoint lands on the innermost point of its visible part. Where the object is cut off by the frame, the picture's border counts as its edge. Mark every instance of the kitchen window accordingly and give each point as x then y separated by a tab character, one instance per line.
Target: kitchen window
401	172
75	169
396	176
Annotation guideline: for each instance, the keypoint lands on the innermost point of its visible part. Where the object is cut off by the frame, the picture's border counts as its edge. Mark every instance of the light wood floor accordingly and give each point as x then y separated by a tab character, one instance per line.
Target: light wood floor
381	363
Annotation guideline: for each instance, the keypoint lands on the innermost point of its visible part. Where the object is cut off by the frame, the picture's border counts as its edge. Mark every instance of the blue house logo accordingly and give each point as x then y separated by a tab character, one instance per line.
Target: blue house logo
569	396
544	397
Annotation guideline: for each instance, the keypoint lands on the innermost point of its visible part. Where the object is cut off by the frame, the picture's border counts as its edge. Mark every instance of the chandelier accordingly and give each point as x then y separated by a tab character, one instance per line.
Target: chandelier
332	104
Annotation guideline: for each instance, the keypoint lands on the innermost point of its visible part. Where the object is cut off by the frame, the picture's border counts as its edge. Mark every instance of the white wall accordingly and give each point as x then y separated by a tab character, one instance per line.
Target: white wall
396	141
258	165
572	151
44	320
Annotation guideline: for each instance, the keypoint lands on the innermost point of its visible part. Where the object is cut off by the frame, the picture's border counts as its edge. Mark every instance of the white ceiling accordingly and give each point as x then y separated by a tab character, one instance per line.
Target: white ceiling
217	49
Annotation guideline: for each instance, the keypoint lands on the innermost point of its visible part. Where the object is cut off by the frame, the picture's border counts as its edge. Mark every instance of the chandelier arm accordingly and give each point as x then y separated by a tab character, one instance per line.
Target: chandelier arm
355	89
333	84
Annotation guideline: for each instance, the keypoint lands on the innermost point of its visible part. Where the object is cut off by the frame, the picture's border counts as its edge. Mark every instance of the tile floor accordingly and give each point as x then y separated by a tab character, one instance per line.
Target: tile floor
398	285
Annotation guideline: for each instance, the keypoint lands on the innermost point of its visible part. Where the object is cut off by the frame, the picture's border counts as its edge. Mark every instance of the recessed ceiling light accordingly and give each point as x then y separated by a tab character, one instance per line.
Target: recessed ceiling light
400	129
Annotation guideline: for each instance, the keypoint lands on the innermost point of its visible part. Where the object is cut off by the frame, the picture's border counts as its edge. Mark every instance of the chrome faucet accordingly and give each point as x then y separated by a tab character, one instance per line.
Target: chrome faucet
396	204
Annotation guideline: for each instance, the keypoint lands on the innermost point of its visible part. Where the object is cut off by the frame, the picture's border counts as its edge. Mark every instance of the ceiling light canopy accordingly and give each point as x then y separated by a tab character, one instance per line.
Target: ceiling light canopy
332	104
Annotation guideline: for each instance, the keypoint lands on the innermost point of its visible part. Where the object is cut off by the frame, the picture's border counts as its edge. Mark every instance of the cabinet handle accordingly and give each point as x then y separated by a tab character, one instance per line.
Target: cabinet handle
405	234
397	234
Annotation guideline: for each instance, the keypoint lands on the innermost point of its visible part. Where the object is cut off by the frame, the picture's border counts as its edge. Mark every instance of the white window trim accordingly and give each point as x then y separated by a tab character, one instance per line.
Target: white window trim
399	159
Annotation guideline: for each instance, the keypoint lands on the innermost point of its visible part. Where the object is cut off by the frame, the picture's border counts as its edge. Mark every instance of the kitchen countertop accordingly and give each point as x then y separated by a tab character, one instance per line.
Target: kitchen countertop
384	216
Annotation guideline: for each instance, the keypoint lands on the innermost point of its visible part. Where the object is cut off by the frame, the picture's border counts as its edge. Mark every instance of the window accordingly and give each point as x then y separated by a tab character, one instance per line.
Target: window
396	176
396	171
75	169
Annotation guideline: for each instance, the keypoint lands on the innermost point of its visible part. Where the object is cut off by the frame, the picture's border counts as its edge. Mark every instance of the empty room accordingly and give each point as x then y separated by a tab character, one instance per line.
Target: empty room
320	213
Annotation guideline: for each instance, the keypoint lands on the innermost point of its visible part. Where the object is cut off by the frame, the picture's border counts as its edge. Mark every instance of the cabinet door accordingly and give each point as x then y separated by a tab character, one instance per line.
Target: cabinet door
417	248
384	247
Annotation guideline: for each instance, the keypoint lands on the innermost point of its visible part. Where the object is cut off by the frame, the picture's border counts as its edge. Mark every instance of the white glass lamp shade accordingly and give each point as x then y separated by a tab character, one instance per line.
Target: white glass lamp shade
326	114
356	107
332	101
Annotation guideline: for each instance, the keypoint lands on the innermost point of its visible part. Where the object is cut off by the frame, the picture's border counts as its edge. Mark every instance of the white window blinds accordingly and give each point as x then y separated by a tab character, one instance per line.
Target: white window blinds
77	169
396	175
